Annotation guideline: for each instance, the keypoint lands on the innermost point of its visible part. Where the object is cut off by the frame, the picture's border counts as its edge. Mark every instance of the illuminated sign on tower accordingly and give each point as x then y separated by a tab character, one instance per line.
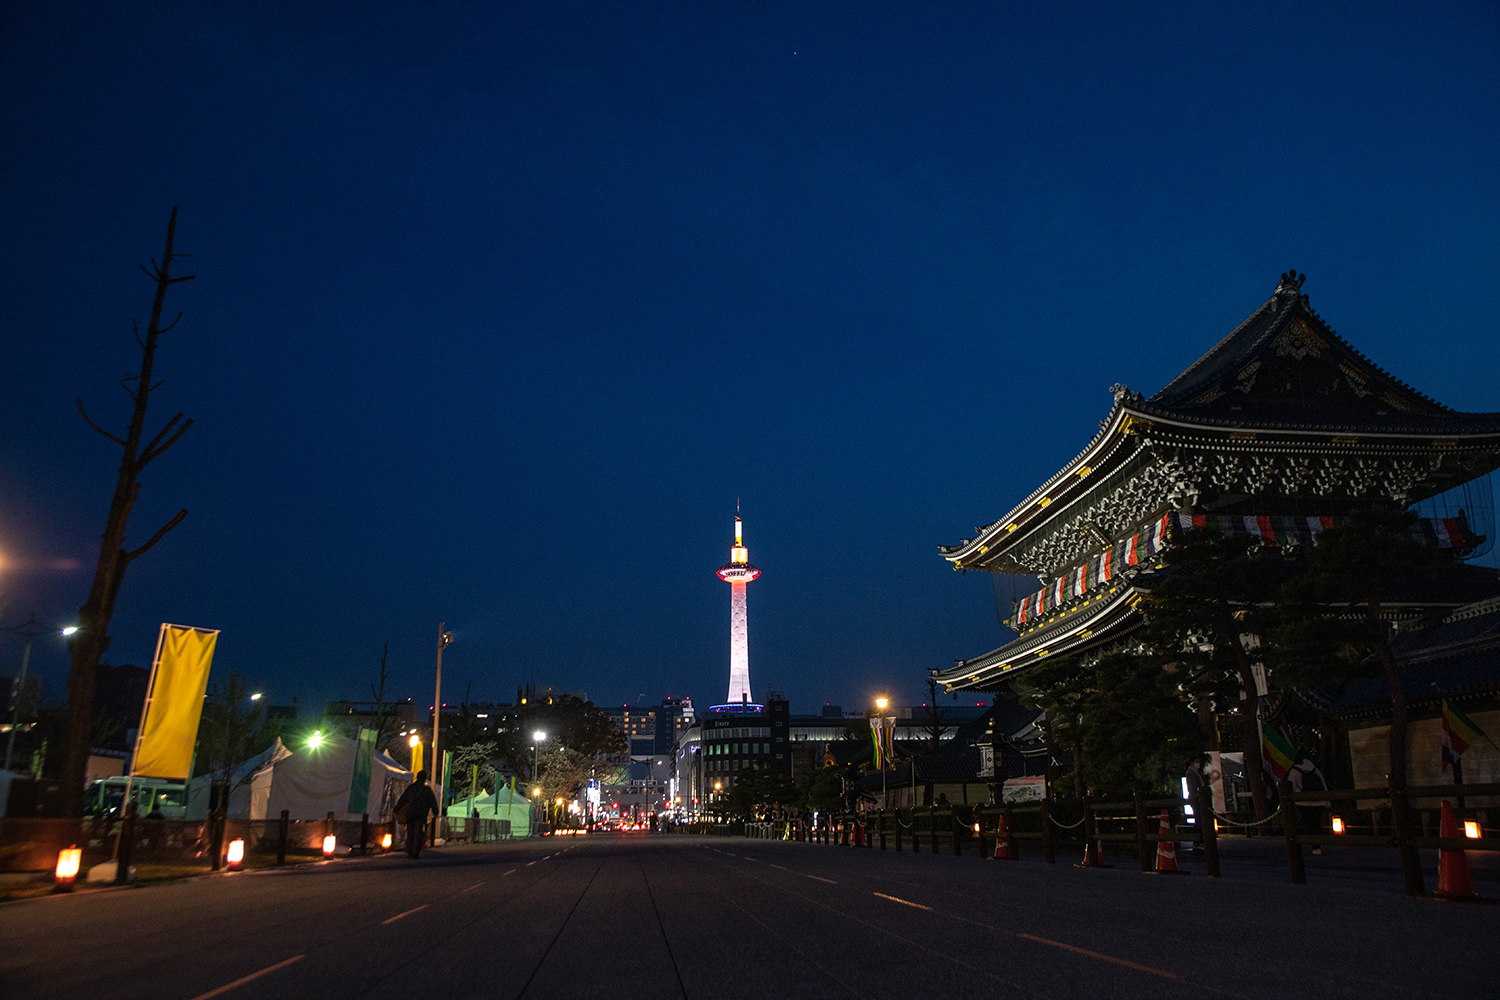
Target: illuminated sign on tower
737	573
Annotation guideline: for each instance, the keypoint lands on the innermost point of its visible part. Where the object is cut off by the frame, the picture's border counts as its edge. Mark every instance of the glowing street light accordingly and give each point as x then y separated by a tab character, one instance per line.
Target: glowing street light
70	630
315	740
256	696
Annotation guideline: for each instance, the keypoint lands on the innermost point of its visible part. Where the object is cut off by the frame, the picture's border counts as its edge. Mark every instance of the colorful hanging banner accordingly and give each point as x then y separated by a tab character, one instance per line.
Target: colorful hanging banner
174	703
1459	733
359	783
1278	751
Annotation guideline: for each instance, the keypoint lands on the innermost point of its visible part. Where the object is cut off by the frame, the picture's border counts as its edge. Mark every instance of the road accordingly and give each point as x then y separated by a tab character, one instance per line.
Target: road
639	916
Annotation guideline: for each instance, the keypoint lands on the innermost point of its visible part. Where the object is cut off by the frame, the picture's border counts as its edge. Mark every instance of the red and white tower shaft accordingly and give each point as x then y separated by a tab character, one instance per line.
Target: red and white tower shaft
738	573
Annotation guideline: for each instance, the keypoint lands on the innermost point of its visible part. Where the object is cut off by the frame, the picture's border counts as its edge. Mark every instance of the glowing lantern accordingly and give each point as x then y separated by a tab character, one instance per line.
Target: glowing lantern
235	859
385	842
329	842
69	859
1338	825
1471	829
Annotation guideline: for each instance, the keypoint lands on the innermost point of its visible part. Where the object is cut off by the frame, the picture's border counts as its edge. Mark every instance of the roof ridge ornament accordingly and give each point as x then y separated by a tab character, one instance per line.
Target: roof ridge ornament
1122	393
1291	283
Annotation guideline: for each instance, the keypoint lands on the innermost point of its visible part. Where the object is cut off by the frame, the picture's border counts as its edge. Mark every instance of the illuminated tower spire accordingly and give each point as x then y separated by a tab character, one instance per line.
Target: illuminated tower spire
738	572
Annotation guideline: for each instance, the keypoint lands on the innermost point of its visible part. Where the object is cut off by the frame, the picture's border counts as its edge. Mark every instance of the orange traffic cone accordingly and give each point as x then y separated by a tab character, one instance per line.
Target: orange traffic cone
1093	851
1454	879
1166	850
1003	849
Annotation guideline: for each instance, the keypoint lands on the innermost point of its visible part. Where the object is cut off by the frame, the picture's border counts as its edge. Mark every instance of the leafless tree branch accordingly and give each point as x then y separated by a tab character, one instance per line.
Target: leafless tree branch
160	533
170	325
95	426
152	452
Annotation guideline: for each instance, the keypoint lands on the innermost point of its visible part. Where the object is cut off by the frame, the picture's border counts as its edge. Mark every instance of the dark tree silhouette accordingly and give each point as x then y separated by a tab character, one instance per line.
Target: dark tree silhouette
92	639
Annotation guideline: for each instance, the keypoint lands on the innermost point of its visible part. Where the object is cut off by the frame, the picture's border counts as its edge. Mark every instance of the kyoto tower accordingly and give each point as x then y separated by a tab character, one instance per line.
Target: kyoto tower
738	572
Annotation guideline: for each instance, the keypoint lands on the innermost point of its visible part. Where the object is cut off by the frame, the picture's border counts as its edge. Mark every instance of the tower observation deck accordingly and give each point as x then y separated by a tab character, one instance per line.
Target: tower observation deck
737	573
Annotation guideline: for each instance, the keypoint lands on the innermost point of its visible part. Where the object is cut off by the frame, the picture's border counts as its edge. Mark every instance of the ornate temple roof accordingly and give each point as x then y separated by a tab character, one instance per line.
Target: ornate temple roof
1282	418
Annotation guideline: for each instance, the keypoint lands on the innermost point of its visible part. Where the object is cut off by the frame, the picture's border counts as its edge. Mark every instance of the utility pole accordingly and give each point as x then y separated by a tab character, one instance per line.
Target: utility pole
437	716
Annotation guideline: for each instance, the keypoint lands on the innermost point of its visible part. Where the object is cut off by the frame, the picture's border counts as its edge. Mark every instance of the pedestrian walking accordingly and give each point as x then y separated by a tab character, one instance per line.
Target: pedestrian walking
413	808
1192	786
1305	776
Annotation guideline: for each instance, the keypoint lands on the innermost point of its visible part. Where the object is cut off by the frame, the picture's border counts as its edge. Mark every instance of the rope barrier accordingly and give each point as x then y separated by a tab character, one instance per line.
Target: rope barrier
1225	819
1066	826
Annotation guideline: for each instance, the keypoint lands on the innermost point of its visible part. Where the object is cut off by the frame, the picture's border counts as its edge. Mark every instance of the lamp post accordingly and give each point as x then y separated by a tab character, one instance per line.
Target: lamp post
536	753
879	724
30	630
444	638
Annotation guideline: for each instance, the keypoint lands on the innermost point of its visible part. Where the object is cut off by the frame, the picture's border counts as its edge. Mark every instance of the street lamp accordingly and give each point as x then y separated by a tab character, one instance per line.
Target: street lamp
536	751
30	630
880	723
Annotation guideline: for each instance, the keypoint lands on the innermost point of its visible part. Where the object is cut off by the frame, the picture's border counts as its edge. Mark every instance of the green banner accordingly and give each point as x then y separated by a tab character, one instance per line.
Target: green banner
359	784
447	772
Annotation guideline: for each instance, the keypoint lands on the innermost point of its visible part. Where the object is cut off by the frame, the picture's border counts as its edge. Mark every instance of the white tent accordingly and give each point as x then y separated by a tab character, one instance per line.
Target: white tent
502	804
239	798
311	782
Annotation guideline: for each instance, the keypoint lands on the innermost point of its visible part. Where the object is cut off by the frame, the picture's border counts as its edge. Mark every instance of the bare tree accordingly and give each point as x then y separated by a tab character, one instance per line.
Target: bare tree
385	720
933	718
92	639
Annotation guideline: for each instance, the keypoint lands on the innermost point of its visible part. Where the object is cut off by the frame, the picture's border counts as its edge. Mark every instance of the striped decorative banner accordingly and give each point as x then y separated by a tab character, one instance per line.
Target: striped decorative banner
1133	550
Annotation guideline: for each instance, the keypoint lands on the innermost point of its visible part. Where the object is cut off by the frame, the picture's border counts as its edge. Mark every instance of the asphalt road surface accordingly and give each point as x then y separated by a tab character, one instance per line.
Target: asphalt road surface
639	916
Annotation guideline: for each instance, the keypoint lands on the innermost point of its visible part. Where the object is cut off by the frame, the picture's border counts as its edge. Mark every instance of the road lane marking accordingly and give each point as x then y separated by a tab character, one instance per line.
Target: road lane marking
511	872
414	909
903	902
778	866
245	979
1101	957
822	879
547	858
476	885
751	860
530	863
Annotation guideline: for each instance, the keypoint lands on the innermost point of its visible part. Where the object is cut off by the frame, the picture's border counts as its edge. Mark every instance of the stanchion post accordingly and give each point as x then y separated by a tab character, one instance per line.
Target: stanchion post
1049	849
1142	845
281	836
127	845
955	825
1091	853
932	827
1289	831
1210	831
364	833
1411	866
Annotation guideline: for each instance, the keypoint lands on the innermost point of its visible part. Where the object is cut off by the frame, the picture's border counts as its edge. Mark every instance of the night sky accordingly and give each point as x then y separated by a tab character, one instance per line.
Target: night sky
497	312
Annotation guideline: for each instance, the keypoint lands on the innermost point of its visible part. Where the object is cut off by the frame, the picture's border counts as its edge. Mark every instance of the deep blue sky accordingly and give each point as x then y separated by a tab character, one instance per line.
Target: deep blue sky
498	311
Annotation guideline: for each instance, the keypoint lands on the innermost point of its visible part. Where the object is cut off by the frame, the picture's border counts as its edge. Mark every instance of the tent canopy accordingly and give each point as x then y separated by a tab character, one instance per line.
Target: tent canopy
501	804
311	782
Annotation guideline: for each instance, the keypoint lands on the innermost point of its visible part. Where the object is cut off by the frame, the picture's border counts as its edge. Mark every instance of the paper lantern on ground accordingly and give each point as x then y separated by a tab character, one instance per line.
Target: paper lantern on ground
1338	825
234	860
329	843
69	859
385	842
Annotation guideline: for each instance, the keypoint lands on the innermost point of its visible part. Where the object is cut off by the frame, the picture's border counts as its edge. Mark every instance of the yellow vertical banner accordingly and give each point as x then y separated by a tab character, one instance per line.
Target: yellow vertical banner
174	703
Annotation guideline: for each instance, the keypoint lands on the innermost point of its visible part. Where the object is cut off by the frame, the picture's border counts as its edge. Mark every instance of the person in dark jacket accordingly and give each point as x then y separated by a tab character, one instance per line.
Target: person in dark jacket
416	804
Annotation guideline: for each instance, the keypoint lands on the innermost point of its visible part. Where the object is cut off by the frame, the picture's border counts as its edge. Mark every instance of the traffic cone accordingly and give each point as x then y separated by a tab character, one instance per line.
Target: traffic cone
1093	851
1454	878
1166	850
1003	849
